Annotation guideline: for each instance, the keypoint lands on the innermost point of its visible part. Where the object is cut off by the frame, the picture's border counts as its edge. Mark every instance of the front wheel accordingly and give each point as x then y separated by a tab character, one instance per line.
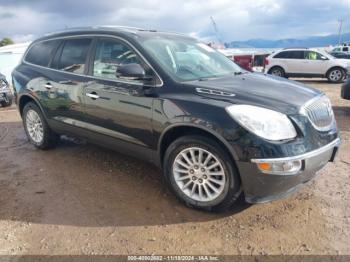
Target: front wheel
37	129
201	173
336	75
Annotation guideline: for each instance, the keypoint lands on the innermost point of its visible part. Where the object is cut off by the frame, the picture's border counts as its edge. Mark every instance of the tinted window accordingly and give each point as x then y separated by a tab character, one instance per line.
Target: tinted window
284	54
40	53
73	55
345	49
296	55
109	55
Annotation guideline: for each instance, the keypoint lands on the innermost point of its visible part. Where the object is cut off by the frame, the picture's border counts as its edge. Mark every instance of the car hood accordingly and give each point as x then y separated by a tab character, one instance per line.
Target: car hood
258	89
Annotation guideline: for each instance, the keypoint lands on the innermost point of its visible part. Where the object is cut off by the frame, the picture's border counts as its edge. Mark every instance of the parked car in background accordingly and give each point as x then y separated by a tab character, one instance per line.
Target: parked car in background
5	92
345	48
251	62
345	90
304	62
341	55
215	129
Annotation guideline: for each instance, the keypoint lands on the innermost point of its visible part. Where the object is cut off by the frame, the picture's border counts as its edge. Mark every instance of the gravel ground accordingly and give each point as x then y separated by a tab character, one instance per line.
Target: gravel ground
83	199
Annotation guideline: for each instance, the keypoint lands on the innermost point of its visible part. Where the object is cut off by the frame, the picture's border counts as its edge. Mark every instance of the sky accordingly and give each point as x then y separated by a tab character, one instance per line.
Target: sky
24	20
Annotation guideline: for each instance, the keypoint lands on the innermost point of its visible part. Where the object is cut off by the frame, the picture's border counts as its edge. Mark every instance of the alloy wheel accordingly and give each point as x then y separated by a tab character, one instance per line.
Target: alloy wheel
199	174
34	126
276	72
336	75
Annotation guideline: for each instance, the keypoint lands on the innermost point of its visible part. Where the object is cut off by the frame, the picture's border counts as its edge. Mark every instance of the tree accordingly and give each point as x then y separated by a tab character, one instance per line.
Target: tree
6	41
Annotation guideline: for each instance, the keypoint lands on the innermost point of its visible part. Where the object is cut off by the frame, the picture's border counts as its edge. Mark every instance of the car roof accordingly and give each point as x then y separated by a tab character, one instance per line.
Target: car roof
112	30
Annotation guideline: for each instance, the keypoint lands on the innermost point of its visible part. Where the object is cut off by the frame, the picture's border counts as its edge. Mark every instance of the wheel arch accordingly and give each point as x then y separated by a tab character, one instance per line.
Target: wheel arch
335	67
25	99
175	131
276	66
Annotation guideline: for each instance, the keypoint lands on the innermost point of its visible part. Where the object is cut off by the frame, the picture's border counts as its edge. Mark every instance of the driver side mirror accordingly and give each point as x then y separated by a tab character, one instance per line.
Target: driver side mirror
324	58
131	72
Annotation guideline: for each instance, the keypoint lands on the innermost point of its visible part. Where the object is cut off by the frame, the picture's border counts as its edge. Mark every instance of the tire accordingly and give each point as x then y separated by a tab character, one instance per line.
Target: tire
198	179
37	129
277	71
336	75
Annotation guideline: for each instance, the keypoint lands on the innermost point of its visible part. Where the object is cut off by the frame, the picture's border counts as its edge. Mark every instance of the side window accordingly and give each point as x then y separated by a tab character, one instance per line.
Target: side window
296	55
109	55
345	49
282	55
74	55
41	53
312	55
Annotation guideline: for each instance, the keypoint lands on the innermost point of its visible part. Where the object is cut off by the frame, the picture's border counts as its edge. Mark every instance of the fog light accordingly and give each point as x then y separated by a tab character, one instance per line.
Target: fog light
280	168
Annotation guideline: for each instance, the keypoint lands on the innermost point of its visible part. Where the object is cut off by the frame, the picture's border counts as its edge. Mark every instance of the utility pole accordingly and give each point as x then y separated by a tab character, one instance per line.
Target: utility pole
340	33
215	29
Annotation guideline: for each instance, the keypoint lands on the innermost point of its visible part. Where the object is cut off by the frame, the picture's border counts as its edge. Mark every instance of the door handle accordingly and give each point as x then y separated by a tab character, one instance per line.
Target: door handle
93	95
48	86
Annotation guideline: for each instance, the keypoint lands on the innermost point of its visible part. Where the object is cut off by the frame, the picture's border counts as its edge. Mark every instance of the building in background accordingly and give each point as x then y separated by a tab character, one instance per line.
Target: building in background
10	56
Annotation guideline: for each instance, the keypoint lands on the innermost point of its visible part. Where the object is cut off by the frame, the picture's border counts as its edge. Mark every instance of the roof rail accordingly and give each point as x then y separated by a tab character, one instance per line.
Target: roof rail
70	29
297	47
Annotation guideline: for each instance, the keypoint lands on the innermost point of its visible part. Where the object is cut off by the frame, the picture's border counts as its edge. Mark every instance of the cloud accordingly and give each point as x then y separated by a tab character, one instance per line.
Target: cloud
236	20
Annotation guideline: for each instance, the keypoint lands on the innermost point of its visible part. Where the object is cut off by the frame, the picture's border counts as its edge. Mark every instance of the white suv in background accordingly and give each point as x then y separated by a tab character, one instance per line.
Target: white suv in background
304	62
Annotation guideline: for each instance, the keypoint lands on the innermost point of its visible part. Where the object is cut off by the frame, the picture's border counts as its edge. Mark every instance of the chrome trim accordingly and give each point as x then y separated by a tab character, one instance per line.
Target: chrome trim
334	143
214	92
95	77
98	129
303	111
93	96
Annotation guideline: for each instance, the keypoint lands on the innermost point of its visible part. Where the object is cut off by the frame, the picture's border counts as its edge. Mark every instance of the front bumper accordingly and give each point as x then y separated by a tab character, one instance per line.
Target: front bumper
260	187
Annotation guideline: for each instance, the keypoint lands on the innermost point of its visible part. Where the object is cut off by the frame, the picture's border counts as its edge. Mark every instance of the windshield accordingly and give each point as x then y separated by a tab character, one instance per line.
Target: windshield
188	60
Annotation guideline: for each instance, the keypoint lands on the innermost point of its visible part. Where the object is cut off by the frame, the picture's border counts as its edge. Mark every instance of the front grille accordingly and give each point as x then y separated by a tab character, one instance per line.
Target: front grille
320	113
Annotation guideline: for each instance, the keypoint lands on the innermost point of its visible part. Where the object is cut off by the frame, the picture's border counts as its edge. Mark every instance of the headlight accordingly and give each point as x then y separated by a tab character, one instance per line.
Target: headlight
263	122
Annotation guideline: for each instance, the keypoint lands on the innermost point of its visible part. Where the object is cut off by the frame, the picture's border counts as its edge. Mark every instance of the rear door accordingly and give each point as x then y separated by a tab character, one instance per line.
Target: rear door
295	62
65	88
281	59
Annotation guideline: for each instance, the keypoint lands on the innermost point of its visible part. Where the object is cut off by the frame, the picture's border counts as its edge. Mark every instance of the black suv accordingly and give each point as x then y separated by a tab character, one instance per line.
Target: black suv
5	92
215	129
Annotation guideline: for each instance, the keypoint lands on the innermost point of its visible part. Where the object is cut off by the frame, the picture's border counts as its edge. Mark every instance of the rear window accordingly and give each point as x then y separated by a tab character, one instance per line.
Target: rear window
74	55
41	53
290	55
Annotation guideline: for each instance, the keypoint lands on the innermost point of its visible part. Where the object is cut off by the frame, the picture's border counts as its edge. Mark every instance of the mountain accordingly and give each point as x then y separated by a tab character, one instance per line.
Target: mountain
314	41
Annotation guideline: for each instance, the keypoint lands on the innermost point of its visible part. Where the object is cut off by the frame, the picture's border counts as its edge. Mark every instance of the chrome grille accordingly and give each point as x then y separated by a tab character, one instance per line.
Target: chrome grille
320	113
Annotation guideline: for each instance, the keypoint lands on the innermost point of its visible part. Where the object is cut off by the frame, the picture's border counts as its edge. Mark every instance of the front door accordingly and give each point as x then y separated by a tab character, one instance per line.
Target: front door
117	108
316	63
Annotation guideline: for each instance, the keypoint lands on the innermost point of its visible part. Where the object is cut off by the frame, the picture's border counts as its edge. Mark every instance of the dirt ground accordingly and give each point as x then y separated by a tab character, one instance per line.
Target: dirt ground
83	199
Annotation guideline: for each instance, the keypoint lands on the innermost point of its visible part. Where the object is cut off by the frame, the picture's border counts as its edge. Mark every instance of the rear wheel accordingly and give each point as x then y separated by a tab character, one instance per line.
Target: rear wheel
336	75
37	129
201	173
277	71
